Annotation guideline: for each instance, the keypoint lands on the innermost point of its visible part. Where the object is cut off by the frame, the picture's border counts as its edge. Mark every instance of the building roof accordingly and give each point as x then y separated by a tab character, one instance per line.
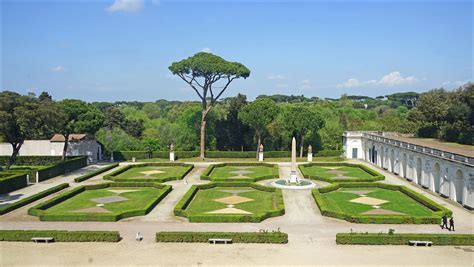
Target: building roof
464	150
72	137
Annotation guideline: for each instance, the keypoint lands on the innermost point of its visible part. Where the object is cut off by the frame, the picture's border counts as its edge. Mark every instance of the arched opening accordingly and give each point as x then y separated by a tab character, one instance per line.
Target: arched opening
418	170
404	166
458	184
392	161
382	157
436	177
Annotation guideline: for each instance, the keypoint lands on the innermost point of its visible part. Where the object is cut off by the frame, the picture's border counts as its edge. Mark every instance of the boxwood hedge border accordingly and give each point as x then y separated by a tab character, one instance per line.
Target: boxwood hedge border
94	173
27	200
403	239
70	164
40	209
324	207
274	237
180	209
15	181
207	173
112	176
376	176
60	235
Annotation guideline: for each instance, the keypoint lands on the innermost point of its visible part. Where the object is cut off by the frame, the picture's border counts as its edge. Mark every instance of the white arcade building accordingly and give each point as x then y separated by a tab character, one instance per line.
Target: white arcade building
444	168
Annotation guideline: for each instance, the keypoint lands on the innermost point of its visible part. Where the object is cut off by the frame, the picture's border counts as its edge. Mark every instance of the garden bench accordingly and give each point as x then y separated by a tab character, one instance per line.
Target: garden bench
42	239
220	240
420	243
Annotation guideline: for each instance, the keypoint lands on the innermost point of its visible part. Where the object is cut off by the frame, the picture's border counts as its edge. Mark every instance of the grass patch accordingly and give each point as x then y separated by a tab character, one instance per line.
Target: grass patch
397	204
230	202
82	204
339	172
240	172
150	172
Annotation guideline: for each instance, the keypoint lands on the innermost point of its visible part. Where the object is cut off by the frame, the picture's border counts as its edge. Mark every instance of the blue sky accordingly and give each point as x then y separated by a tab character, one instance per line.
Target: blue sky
121	50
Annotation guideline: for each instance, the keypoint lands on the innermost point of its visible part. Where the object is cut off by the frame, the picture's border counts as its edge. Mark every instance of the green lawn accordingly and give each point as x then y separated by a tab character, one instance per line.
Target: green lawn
139	199
146	172
339	201
254	172
345	171
203	202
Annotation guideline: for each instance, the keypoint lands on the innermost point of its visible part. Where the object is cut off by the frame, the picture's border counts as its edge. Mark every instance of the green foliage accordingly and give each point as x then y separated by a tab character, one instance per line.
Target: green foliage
11	181
60	235
27	200
70	164
329	209
403	239
32	160
95	173
278	209
274	237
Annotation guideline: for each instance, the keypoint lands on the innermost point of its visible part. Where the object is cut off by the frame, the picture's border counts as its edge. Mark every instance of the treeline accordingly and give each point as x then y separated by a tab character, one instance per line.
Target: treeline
236	124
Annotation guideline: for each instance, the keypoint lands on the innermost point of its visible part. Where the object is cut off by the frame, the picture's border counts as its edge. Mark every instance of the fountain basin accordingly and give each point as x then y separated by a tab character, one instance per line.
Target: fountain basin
303	184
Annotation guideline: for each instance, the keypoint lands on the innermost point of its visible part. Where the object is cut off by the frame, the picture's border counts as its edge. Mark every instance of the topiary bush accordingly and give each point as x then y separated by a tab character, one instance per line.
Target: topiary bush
62	167
274	237
403	239
11	181
60	235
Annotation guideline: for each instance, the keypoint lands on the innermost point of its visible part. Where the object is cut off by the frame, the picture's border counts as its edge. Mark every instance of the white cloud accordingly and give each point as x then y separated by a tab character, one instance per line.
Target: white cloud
125	6
276	77
58	69
206	49
306	84
392	79
454	84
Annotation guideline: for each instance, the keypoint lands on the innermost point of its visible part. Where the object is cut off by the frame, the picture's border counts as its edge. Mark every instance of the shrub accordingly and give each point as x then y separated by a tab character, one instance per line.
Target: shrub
113	175
32	198
328	153
376	176
39	210
274	237
94	173
402	239
60	235
207	173
12	181
327	210
62	167
180	209
32	160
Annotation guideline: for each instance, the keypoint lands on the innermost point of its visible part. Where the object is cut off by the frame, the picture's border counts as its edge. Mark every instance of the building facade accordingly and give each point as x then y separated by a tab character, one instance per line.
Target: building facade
436	167
78	145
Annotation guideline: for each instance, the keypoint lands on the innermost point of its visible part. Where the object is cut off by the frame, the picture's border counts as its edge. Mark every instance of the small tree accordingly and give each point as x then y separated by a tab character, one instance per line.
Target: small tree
79	117
258	115
202	72
300	120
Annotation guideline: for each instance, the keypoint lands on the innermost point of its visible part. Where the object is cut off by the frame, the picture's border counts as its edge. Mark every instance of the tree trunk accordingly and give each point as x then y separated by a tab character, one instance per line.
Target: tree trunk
302	145
203	134
16	149
258	142
66	143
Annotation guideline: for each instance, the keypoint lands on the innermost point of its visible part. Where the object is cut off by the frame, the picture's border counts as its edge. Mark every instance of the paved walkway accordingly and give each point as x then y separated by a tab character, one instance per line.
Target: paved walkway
312	237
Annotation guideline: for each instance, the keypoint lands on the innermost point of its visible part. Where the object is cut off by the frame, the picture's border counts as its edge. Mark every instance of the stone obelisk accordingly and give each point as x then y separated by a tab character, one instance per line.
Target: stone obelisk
293	177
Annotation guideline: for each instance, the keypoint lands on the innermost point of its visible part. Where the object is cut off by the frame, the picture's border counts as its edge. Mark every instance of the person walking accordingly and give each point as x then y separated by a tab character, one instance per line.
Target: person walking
451	224
444	222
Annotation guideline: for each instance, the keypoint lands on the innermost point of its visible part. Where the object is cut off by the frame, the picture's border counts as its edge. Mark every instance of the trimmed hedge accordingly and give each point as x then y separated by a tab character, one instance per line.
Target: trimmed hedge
112	176
237	237
324	207
94	173
39	210
62	167
12	181
127	155
60	235
376	176
180	209
32	160
25	201
207	173
402	239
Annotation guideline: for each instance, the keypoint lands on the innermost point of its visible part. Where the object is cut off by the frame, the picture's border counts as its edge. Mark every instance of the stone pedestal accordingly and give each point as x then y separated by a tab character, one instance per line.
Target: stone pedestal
172	156
310	157
134	159
260	156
